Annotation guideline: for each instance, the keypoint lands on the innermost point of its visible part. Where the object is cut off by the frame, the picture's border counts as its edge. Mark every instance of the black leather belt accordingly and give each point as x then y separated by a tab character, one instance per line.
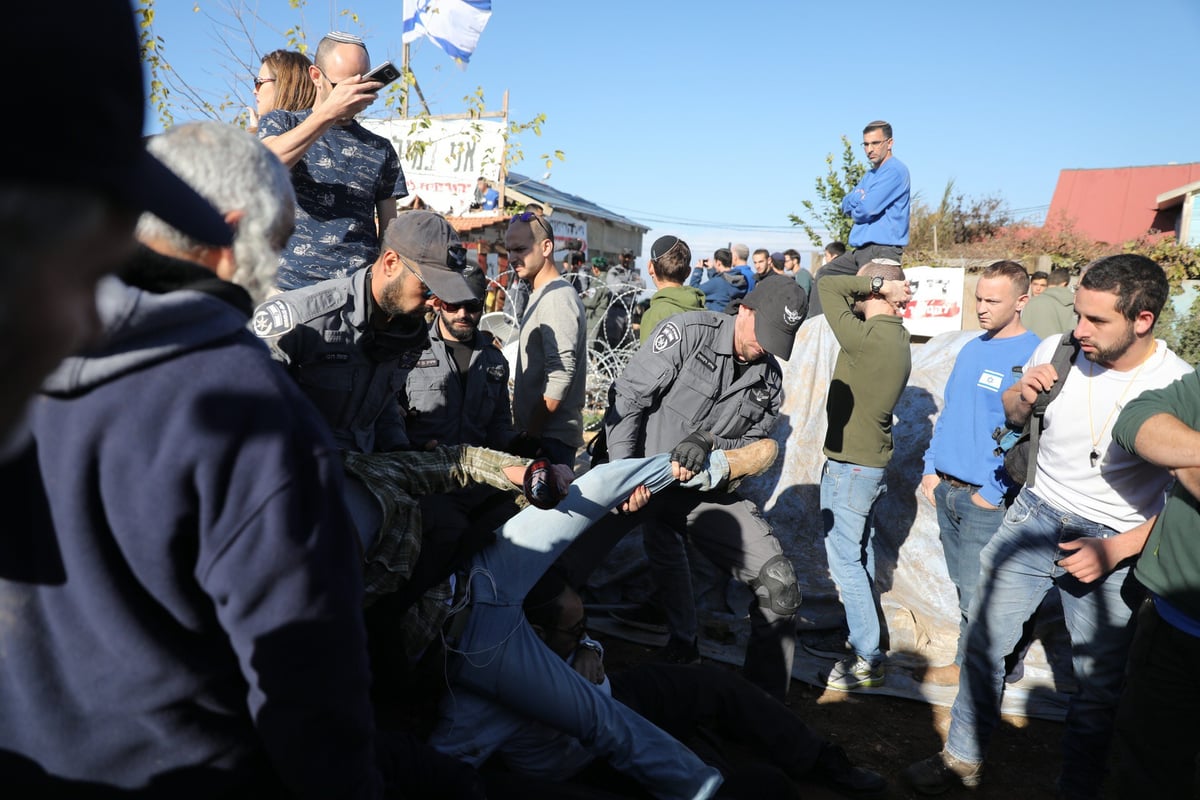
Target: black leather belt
955	482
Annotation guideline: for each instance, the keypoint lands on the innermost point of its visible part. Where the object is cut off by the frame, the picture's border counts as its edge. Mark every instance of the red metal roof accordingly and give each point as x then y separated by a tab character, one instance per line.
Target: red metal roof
1118	204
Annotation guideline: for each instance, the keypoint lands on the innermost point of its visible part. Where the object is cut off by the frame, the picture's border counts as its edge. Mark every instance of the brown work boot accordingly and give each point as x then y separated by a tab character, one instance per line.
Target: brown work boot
946	675
753	459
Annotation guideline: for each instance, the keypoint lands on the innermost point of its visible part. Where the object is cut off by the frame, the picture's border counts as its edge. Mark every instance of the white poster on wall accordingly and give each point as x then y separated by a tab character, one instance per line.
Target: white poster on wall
442	159
936	305
566	228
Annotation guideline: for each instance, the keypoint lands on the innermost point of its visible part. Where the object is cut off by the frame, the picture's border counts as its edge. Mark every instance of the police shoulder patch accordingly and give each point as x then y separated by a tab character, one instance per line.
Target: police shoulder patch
667	336
273	318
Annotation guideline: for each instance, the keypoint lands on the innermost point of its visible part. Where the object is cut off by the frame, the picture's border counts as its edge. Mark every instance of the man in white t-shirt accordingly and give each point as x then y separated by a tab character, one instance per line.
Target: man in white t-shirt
1080	527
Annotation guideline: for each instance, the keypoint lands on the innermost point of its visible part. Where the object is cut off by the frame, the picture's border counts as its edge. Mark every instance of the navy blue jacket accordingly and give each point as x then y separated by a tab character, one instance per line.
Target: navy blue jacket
180	597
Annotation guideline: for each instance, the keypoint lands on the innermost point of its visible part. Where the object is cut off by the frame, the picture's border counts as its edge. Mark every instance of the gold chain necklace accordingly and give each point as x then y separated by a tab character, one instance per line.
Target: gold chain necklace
1094	456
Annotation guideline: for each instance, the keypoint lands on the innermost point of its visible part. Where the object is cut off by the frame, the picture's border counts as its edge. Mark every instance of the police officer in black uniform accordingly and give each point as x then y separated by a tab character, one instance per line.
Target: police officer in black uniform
346	341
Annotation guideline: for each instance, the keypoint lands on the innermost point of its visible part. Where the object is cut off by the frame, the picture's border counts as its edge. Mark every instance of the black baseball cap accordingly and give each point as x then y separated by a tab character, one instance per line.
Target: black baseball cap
426	238
100	147
779	305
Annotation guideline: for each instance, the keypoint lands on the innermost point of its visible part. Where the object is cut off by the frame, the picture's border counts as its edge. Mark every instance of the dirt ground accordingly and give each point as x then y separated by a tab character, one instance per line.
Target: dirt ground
887	734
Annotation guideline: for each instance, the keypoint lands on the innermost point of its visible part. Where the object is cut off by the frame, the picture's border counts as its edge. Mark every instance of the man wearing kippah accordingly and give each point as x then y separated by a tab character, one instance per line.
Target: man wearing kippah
344	175
670	264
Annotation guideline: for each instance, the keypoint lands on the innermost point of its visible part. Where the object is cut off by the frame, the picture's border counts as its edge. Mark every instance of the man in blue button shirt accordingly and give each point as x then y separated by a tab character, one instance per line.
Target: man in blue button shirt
879	207
347	179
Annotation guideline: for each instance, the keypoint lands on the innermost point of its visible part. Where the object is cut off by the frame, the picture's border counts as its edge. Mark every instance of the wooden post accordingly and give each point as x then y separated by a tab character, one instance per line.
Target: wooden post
405	70
504	156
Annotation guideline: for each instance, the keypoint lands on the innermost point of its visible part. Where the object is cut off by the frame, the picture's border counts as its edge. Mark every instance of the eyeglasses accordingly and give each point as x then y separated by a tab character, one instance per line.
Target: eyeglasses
471	306
869	145
258	82
417	275
326	77
576	631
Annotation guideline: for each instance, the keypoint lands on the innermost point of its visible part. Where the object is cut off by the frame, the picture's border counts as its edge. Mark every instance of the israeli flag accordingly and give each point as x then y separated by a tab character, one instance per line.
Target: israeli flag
453	25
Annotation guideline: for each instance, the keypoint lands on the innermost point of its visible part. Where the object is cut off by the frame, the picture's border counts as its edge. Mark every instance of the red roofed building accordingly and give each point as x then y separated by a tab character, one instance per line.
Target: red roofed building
1118	204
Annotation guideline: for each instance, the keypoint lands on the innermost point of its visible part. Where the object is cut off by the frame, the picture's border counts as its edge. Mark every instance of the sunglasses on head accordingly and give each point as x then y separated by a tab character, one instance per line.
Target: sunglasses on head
530	217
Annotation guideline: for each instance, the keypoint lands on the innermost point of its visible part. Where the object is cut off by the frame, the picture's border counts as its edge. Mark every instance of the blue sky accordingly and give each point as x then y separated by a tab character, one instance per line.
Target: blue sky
711	120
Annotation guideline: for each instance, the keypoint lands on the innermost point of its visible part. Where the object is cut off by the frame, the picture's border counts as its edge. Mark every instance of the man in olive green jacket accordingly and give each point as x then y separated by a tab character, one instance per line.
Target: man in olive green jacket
1052	311
871	372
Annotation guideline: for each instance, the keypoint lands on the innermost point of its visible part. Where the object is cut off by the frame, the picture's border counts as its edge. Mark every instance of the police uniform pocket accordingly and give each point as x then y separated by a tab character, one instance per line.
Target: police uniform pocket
694	399
330	388
751	410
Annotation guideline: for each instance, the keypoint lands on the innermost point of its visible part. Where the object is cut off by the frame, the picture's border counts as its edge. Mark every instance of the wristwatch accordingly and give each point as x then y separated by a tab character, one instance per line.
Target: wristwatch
876	285
589	643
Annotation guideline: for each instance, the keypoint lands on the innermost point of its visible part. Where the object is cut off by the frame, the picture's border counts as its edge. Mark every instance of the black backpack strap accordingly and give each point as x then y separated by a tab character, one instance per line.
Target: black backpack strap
1063	358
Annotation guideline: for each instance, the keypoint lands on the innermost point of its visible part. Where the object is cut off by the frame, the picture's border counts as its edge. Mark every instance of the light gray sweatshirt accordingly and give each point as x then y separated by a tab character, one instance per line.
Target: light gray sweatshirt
552	361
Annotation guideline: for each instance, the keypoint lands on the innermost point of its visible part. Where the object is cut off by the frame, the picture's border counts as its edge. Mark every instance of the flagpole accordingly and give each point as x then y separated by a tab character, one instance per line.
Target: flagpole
504	158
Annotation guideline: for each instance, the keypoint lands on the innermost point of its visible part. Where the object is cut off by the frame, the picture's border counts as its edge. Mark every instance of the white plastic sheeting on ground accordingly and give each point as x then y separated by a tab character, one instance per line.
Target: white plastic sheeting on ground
918	599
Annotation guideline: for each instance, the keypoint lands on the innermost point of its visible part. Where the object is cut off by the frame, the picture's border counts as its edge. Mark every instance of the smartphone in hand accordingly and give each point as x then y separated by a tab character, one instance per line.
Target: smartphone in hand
385	73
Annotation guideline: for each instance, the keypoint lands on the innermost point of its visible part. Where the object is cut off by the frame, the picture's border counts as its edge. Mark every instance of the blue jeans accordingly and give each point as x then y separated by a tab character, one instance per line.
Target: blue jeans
1017	571
499	656
848	495
964	529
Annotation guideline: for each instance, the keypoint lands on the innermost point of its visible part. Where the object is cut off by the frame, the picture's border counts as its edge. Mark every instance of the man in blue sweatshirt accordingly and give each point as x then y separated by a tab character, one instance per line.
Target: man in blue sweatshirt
879	207
180	590
964	479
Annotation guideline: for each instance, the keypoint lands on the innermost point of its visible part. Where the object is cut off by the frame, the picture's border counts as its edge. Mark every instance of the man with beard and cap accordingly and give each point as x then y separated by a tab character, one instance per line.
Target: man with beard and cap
68	203
346	341
457	394
624	272
706	380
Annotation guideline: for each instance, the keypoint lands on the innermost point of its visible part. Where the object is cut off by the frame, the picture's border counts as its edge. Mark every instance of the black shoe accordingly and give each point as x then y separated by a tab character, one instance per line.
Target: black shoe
833	769
942	772
677	652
